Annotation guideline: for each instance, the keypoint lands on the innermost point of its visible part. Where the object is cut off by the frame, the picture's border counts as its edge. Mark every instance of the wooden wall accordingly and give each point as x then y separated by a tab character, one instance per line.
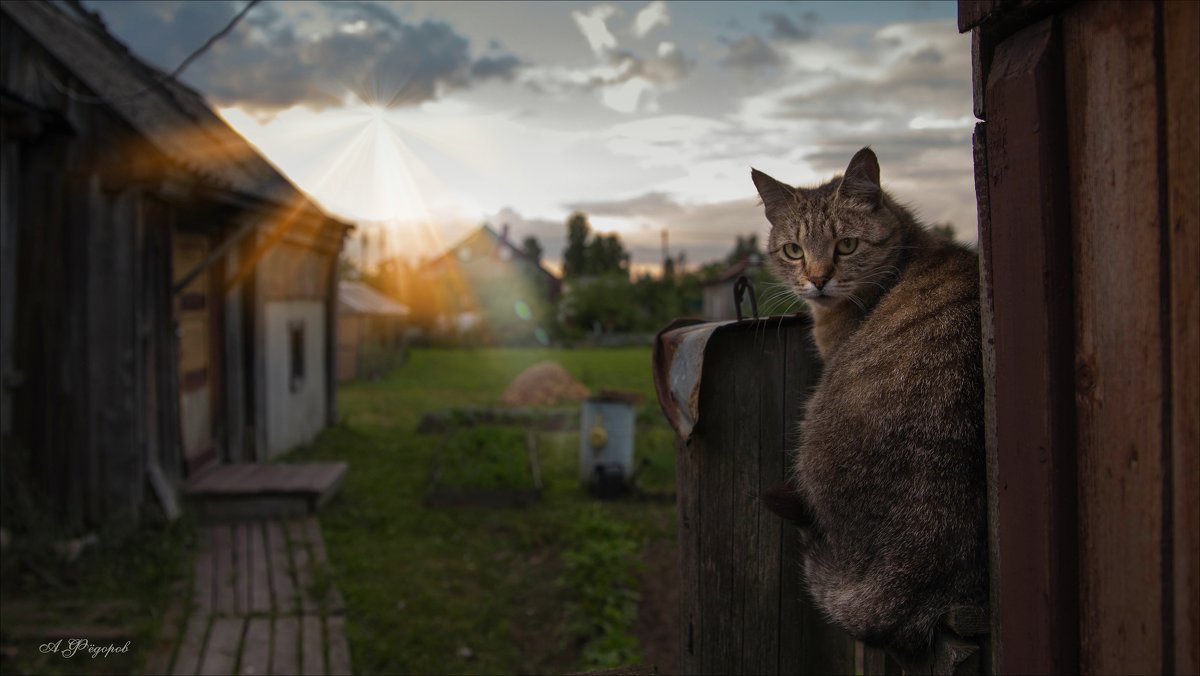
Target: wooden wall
1086	173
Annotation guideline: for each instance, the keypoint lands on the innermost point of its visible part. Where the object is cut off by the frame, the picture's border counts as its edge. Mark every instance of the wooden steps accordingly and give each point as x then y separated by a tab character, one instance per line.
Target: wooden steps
263	490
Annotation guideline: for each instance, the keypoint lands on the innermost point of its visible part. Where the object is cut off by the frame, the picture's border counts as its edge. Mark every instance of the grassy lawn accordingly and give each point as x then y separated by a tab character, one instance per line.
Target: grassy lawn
116	592
546	588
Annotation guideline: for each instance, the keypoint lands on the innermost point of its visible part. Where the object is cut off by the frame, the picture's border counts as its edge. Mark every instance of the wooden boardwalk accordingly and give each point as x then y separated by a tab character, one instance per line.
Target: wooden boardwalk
261	602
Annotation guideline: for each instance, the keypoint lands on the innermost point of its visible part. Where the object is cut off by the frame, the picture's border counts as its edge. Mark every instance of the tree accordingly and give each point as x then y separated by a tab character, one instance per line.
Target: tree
532	249
744	246
606	254
575	255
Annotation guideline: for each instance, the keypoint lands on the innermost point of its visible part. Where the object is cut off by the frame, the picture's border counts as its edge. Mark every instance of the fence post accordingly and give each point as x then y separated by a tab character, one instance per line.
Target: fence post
743	606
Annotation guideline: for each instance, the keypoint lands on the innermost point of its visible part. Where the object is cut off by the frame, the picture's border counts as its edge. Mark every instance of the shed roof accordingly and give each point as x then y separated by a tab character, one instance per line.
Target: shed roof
173	117
358	298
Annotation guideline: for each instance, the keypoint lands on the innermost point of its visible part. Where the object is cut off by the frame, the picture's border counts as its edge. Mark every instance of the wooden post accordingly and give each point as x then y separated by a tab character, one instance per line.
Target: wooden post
1027	294
743	606
1182	225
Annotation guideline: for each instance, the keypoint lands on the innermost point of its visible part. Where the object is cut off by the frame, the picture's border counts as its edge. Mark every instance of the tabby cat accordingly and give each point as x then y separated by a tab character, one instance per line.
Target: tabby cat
888	483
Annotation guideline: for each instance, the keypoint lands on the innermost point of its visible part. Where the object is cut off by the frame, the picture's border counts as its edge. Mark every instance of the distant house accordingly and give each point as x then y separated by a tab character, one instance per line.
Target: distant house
167	297
486	284
718	293
370	333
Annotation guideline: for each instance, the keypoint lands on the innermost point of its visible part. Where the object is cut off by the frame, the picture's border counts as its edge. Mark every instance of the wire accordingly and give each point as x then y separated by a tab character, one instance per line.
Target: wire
162	78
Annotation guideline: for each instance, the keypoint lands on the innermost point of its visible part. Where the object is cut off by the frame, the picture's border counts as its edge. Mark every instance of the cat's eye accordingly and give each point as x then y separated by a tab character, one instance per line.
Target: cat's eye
793	251
847	245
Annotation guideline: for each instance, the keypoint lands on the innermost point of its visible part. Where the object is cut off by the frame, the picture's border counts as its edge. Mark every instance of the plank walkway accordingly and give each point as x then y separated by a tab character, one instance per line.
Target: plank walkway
261	602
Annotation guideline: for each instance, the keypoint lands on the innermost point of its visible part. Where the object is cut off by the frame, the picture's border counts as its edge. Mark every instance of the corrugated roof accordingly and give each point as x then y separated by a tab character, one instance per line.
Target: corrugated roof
358	298
174	118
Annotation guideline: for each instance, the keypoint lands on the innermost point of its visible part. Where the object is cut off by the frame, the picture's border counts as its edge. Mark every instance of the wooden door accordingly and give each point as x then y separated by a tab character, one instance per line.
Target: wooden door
193	316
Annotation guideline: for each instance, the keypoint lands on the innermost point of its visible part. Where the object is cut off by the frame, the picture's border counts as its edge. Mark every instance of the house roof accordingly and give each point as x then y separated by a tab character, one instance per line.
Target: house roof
173	117
358	298
498	241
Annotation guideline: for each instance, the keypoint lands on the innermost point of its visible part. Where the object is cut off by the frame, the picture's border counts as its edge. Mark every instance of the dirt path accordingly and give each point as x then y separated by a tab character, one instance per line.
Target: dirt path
658	613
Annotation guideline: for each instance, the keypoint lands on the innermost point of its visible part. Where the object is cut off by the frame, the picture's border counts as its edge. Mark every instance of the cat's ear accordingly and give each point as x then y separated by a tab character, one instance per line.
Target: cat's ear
783	499
772	192
860	183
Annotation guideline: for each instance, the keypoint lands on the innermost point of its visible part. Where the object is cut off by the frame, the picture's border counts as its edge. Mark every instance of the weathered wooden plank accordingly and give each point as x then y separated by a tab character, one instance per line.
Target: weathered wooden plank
988	344
225	574
714	451
1031	378
259	575
204	578
690	526
243	566
1181	52
302	566
256	647
285	646
339	650
764	463
283	587
220	654
877	663
191	648
971	13
1109	64
312	646
792	593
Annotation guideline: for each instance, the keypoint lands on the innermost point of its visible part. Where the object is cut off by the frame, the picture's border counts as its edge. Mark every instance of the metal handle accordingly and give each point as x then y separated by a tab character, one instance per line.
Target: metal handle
739	290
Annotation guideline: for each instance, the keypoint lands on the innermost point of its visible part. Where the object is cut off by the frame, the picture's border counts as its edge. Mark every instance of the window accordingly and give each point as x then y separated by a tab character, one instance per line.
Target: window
296	354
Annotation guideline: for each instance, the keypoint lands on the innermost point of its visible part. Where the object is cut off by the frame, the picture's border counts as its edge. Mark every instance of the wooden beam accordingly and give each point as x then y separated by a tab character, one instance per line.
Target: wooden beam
1033	451
1182	98
1112	115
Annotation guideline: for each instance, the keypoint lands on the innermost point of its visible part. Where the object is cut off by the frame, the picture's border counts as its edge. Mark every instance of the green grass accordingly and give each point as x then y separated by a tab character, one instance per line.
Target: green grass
123	584
477	590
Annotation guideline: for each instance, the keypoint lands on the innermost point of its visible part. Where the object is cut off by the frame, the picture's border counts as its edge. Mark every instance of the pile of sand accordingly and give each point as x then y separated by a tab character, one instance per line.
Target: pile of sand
543	384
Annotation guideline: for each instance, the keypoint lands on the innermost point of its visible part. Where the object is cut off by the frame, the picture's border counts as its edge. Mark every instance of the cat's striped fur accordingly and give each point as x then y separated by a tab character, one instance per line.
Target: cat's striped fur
890	464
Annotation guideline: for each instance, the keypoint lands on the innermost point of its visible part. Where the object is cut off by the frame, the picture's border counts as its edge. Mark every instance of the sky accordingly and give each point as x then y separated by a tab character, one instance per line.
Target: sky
419	121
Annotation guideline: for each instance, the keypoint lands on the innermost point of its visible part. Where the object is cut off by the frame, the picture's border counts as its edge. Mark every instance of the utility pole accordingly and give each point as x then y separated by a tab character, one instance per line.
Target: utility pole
665	253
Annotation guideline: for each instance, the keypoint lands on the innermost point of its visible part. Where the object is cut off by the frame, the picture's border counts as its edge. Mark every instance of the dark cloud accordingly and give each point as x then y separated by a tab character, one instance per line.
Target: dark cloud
499	67
786	30
268	64
929	55
751	54
896	149
650	205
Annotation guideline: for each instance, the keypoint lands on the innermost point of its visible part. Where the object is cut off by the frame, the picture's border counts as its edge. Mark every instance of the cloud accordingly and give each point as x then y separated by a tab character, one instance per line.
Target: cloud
649	205
650	17
786	30
593	25
752	54
626	81
313	55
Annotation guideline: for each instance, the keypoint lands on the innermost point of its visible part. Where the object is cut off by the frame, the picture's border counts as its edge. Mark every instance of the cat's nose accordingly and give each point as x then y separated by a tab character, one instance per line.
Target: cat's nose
819	282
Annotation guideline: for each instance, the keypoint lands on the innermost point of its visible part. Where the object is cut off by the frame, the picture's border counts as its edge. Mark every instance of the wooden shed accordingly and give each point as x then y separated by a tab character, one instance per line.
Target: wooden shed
371	330
1089	229
168	298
